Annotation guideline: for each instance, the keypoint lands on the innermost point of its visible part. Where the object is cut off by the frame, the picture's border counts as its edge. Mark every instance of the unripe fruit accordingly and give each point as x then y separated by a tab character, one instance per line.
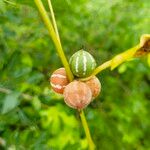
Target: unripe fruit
82	63
59	80
95	86
77	95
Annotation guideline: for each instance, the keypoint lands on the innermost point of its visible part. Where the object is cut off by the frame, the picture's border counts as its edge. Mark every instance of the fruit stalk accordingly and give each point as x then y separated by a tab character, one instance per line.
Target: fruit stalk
53	19
60	51
87	131
53	35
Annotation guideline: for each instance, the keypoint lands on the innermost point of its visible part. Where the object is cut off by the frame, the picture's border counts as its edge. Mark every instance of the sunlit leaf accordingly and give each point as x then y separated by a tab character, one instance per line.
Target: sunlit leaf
2	7
122	68
36	103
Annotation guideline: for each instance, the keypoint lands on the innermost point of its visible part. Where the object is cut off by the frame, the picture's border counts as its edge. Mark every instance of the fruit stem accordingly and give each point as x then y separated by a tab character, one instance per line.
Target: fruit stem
124	56
53	19
54	37
87	131
97	70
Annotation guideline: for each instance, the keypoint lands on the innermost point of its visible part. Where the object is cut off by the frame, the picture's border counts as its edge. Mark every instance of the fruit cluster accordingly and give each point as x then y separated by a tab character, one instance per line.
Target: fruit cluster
77	94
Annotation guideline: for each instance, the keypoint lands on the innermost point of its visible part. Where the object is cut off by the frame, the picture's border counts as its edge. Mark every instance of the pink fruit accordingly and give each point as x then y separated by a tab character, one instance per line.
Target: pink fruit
95	86
77	95
59	80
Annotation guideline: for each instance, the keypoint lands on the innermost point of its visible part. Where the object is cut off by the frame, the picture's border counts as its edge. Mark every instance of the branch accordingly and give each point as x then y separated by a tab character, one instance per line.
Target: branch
53	35
53	19
87	131
56	40
143	48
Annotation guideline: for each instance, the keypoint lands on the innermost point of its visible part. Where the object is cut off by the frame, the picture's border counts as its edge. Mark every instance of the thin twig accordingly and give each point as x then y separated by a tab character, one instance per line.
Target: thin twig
87	131
98	70
83	119
62	56
53	19
119	58
53	35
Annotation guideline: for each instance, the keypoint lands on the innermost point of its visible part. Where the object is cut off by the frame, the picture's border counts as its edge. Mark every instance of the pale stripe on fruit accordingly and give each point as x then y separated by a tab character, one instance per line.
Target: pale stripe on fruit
84	64
77	64
57	86
59	76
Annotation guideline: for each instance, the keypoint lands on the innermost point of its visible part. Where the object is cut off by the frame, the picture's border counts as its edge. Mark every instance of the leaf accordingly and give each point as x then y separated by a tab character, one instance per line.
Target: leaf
36	103
10	102
122	68
2	7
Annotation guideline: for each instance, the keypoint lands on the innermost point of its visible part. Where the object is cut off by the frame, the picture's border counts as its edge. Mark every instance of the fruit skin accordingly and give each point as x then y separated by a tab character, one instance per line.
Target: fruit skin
82	63
95	86
77	95
59	80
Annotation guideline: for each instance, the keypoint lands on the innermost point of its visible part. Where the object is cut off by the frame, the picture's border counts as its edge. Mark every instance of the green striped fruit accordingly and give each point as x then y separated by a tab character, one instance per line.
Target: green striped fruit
82	64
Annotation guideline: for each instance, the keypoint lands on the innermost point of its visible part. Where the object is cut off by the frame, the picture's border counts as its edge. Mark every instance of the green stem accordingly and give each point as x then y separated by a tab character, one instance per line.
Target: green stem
53	19
101	67
53	35
124	56
98	70
87	131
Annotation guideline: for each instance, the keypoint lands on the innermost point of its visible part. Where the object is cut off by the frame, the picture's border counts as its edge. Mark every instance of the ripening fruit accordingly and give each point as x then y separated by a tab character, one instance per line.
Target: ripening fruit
82	63
77	95
95	86
59	80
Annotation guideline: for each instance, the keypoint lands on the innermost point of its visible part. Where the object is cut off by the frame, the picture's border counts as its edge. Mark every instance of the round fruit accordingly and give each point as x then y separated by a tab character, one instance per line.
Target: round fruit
77	95
82	63
59	80
95	86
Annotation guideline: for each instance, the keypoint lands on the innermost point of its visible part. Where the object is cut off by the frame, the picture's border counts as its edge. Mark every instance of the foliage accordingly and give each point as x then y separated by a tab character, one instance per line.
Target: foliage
41	120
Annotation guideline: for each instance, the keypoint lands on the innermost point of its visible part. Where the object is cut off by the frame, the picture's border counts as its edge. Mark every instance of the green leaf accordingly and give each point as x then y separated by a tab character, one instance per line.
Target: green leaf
10	102
122	68
2	7
36	103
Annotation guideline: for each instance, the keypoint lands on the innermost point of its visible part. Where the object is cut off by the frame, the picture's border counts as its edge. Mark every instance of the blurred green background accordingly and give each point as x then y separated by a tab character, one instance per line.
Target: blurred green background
119	119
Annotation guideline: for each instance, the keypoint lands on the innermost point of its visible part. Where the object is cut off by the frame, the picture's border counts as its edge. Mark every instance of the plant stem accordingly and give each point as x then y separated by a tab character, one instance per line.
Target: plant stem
98	70
124	56
102	67
52	33
56	40
87	131
53	19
